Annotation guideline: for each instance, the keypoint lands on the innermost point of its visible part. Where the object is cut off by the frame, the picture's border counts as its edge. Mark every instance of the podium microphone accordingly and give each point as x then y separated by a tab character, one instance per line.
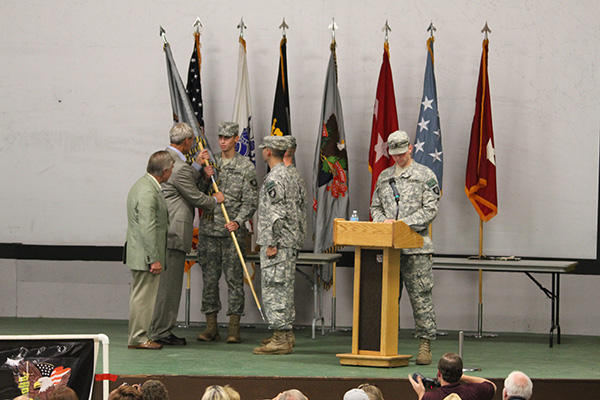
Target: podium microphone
392	183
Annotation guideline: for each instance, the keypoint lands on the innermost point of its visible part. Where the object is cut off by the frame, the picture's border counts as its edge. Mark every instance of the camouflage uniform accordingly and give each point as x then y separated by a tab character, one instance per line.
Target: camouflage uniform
216	250
300	202
278	226
419	197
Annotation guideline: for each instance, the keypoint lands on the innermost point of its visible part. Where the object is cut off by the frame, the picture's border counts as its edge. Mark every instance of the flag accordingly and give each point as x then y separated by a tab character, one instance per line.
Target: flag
330	172
385	120
428	140
480	182
242	109
280	123
183	110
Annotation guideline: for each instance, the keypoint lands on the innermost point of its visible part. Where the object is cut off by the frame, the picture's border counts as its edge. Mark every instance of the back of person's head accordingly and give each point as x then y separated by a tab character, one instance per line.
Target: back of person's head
215	392
450	367
517	384
154	390
125	392
159	162
356	394
292	394
372	391
179	132
63	393
232	393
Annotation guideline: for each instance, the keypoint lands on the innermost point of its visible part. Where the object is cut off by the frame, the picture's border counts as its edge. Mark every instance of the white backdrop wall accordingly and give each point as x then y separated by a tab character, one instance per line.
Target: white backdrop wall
85	101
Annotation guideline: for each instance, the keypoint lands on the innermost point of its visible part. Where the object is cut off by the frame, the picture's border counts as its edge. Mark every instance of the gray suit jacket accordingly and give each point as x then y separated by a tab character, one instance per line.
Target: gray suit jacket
184	191
147	225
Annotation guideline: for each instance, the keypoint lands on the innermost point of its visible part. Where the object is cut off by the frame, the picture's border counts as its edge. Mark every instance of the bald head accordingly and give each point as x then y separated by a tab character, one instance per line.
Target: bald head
517	384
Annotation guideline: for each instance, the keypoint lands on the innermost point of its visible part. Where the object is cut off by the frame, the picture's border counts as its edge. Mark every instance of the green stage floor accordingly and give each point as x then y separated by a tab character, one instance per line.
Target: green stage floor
577	357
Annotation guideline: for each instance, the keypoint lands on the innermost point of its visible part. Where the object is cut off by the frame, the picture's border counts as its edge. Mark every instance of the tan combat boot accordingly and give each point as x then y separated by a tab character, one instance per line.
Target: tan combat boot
234	329
290	336
277	345
424	356
212	330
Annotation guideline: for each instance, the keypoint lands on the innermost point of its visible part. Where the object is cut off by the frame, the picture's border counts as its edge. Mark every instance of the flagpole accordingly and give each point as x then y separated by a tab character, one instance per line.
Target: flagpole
197	25
479	334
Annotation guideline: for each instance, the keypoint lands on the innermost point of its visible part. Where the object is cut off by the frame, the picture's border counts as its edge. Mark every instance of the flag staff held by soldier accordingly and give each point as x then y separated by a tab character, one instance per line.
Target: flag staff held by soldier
182	110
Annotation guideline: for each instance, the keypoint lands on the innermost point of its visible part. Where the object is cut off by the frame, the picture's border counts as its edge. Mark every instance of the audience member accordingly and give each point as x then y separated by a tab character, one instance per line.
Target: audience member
154	390
450	376
517	386
372	391
125	392
232	393
215	392
292	394
63	393
356	394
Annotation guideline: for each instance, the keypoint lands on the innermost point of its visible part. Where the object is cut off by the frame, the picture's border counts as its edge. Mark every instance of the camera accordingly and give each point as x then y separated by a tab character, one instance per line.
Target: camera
429	383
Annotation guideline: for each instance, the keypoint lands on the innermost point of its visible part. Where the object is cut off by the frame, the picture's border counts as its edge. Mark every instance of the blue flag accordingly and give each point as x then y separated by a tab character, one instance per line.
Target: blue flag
428	140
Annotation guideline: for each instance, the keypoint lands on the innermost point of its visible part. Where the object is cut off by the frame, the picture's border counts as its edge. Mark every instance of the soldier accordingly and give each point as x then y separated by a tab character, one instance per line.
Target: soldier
298	199
278	246
216	250
409	192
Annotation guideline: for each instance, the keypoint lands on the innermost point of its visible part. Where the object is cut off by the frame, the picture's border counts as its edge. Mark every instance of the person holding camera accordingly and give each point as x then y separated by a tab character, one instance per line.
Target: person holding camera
452	380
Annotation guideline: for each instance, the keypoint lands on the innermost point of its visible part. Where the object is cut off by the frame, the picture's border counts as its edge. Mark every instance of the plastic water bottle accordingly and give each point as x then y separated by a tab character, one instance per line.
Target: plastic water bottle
354	216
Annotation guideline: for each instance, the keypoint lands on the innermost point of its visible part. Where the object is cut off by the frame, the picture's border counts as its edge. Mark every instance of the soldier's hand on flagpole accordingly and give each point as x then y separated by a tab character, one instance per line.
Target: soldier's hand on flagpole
232	226
219	196
208	171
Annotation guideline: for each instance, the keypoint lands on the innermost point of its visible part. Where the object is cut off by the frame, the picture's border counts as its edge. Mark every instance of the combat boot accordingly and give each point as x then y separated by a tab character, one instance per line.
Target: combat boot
277	345
290	337
211	333
234	329
424	356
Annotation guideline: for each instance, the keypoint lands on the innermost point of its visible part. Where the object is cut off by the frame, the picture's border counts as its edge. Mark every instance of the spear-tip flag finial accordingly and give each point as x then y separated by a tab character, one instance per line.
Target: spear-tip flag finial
386	28
163	34
241	26
333	27
283	27
197	25
431	29
486	29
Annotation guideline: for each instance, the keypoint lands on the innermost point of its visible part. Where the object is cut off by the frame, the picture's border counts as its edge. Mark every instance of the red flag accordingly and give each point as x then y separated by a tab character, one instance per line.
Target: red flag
480	182
385	120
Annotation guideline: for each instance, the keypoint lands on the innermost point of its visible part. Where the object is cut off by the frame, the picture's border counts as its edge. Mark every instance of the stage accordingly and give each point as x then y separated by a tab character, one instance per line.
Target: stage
568	370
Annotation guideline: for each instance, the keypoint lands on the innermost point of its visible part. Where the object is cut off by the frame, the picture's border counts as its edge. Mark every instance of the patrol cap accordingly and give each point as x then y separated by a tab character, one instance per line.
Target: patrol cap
291	142
228	129
275	142
398	143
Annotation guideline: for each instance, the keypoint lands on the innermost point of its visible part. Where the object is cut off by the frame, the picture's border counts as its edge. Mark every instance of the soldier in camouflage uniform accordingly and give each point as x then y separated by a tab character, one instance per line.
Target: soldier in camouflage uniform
419	194
216	251
298	198
278	240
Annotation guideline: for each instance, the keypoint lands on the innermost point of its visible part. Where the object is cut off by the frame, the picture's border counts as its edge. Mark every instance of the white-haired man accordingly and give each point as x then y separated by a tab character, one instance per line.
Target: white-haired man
517	386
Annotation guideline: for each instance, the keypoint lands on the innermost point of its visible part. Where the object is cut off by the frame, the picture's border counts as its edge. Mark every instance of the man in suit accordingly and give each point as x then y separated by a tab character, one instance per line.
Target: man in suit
146	246
183	192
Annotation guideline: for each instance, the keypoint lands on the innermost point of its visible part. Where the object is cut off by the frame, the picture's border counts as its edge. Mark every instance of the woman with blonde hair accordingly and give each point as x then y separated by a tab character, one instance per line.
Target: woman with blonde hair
372	391
215	392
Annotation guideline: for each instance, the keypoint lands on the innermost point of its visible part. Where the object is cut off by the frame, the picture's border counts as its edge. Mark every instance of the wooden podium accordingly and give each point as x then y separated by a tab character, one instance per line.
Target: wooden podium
376	289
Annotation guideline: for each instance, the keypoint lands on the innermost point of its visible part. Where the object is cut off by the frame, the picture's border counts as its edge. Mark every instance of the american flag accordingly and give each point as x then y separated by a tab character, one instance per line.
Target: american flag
428	140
